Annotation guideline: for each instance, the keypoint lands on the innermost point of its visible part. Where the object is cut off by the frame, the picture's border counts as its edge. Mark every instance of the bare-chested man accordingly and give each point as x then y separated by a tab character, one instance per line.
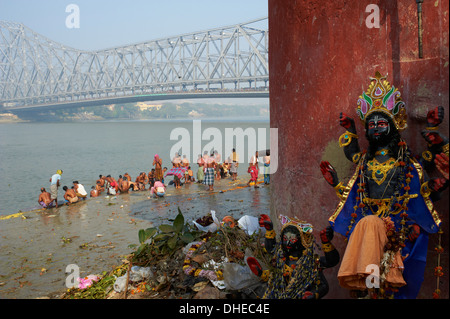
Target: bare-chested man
124	185
127	176
151	178
209	173
101	181
139	181
99	188
45	199
112	183
70	196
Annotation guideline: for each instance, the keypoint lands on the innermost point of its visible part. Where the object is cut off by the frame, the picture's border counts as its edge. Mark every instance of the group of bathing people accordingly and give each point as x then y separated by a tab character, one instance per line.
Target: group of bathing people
210	168
103	184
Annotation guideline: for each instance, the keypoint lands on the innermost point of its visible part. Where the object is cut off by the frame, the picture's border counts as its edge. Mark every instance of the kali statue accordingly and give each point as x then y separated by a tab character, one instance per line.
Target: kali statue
386	209
297	269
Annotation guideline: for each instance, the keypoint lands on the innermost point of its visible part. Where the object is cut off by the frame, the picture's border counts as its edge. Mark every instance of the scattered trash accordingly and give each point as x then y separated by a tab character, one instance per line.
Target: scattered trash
212	265
136	274
208	223
250	224
140	273
237	277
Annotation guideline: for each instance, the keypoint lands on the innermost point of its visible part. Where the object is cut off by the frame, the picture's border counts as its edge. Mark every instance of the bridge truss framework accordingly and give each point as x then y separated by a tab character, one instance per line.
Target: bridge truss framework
35	70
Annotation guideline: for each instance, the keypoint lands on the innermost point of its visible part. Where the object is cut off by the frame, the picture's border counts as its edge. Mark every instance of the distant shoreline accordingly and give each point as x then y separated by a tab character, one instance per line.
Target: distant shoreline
258	119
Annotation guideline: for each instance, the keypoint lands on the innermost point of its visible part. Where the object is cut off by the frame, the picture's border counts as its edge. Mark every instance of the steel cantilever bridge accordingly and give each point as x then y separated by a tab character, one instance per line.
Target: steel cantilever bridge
37	73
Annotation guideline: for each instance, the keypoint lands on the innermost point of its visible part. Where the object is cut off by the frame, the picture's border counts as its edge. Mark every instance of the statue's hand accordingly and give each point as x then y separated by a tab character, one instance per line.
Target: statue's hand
347	122
435	116
254	265
441	161
329	173
308	295
432	137
264	221
326	235
414	232
438	184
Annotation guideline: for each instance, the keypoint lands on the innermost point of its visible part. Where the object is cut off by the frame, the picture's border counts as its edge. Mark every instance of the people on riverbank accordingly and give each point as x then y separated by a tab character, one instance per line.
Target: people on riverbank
94	192
157	163
80	190
124	185
176	162
54	184
267	168
158	189
101	182
234	164
200	169
253	170
70	196
45	199
209	170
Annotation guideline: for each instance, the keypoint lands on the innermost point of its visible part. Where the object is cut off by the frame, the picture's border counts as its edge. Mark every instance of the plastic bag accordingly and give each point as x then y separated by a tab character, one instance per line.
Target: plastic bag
237	277
136	274
119	284
211	227
139	273
250	224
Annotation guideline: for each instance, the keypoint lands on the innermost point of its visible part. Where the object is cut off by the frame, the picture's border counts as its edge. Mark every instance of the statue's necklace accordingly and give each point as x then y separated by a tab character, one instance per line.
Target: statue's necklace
381	170
382	152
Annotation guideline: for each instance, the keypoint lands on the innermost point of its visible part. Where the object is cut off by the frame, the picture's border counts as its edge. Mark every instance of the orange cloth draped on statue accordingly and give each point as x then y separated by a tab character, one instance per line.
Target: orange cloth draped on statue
366	247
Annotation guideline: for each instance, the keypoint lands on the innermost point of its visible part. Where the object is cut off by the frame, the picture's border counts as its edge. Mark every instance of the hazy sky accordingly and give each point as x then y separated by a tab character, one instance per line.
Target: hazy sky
105	24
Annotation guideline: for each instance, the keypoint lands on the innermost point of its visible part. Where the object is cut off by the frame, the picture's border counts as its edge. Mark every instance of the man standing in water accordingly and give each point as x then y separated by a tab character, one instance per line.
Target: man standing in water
209	174
54	184
234	164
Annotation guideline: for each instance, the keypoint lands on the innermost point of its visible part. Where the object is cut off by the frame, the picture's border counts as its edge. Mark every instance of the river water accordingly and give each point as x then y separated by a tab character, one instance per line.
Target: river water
30	153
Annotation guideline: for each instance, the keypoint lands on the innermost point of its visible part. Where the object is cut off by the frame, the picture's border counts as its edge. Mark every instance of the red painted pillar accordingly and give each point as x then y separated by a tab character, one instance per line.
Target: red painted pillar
321	56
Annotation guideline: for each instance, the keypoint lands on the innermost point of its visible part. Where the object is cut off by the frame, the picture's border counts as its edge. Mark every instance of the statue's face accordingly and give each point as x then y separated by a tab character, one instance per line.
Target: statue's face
291	239
378	128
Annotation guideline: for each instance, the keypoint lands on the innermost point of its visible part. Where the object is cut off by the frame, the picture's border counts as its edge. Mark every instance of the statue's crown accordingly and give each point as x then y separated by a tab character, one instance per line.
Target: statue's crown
382	97
302	226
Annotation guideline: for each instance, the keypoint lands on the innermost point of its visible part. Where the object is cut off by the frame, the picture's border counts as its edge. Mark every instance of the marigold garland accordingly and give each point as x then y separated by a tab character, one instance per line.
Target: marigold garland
198	272
438	271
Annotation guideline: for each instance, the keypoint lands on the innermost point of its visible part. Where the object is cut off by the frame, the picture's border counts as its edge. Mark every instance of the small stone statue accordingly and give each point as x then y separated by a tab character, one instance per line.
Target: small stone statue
297	270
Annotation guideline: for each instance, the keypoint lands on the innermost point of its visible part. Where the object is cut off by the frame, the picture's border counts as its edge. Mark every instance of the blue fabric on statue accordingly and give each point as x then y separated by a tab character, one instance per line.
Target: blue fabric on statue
414	267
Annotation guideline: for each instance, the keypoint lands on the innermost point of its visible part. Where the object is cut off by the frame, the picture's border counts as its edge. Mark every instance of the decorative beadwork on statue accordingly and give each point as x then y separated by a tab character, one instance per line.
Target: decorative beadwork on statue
270	234
381	170
385	207
445	149
356	157
346	138
427	155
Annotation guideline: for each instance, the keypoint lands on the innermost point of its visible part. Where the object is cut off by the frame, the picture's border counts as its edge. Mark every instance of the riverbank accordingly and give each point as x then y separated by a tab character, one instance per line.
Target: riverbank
37	246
